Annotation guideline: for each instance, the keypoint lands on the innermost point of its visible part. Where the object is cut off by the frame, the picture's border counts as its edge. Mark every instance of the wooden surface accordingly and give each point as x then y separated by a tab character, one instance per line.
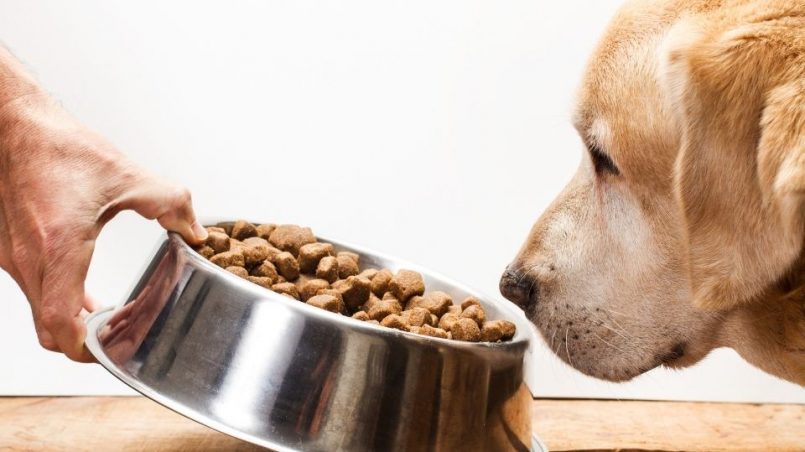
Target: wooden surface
135	423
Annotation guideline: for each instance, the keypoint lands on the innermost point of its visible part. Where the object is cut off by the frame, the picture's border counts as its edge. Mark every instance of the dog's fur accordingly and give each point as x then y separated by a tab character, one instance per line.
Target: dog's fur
697	243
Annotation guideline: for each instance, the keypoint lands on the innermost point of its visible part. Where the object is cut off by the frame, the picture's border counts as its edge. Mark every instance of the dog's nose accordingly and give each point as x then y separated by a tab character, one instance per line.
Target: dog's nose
519	288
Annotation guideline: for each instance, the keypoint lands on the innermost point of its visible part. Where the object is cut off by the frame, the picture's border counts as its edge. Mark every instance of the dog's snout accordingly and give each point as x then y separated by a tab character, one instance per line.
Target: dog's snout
519	288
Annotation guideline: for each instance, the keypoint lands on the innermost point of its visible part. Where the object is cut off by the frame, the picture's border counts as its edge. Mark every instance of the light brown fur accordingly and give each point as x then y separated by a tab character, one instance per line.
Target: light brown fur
698	242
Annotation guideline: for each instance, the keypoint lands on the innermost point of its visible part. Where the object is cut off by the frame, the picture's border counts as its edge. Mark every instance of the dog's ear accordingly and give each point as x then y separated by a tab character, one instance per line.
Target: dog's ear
738	95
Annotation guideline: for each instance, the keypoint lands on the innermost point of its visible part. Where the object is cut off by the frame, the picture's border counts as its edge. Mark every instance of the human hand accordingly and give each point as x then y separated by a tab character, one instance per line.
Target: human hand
59	185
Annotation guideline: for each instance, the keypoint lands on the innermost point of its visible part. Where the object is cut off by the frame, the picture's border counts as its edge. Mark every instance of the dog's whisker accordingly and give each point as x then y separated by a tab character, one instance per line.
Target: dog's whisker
616	332
621	328
567	348
620	313
558	344
525	273
611	345
553	336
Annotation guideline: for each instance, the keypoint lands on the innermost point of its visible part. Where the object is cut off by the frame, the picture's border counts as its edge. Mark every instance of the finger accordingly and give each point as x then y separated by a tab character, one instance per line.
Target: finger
121	313
86	356
63	298
90	303
46	340
169	204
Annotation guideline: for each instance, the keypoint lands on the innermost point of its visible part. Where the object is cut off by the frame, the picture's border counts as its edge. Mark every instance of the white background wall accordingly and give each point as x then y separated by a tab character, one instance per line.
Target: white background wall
417	128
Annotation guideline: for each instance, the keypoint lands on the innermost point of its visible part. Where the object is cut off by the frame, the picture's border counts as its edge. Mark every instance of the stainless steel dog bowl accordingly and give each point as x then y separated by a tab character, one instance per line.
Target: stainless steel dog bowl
279	373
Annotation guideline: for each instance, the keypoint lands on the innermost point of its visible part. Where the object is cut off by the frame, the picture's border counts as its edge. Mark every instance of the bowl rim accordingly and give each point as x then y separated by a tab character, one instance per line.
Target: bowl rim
515	315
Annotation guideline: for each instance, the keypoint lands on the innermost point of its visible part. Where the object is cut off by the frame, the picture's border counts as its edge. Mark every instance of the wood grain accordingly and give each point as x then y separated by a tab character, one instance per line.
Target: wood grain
136	423
597	424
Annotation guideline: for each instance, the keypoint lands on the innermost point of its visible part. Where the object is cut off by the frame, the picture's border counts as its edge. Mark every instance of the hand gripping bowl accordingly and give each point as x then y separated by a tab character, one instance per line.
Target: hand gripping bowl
276	372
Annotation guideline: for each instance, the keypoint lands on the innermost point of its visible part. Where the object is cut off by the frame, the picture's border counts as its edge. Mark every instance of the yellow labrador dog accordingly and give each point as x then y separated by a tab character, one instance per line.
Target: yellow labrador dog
683	228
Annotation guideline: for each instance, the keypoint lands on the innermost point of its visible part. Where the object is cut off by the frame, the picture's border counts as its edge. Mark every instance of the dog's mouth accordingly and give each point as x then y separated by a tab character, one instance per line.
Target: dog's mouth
674	357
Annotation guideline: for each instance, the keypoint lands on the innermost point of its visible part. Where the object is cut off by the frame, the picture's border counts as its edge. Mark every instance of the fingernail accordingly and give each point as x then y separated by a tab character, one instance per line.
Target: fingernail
199	231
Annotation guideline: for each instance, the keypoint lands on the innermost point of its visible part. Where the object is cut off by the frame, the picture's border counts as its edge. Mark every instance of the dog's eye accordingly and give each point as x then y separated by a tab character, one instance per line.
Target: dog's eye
602	162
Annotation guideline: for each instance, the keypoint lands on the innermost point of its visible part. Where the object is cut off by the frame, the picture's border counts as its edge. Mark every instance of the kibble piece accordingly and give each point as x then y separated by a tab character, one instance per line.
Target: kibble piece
329	291
370	302
328	269
434	320
508	329
476	313
218	241
417	316
266	269
490	332
454	309
384	308
396	322
280	279
436	302
264	230
405	284
286	288
469	301
373	322
290	237
261	281
311	288
206	251
239	271
333	292
226	226
311	254
414	302
354	256
369	273
466	330
242	229
255	241
380	282
326	302
256	250
287	266
347	266
272	253
361	315
447	321
228	259
236	245
355	290
427	330
215	229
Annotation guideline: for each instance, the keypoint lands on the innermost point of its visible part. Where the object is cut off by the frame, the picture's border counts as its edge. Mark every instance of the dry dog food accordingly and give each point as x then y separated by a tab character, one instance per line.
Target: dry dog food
288	260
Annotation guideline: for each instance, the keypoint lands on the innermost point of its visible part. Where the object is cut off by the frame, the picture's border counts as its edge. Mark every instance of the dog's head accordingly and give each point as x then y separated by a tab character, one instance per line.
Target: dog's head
688	202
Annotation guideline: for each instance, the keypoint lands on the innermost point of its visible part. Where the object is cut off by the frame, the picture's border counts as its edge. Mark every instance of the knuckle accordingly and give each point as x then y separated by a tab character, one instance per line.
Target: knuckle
184	197
51	318
47	343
